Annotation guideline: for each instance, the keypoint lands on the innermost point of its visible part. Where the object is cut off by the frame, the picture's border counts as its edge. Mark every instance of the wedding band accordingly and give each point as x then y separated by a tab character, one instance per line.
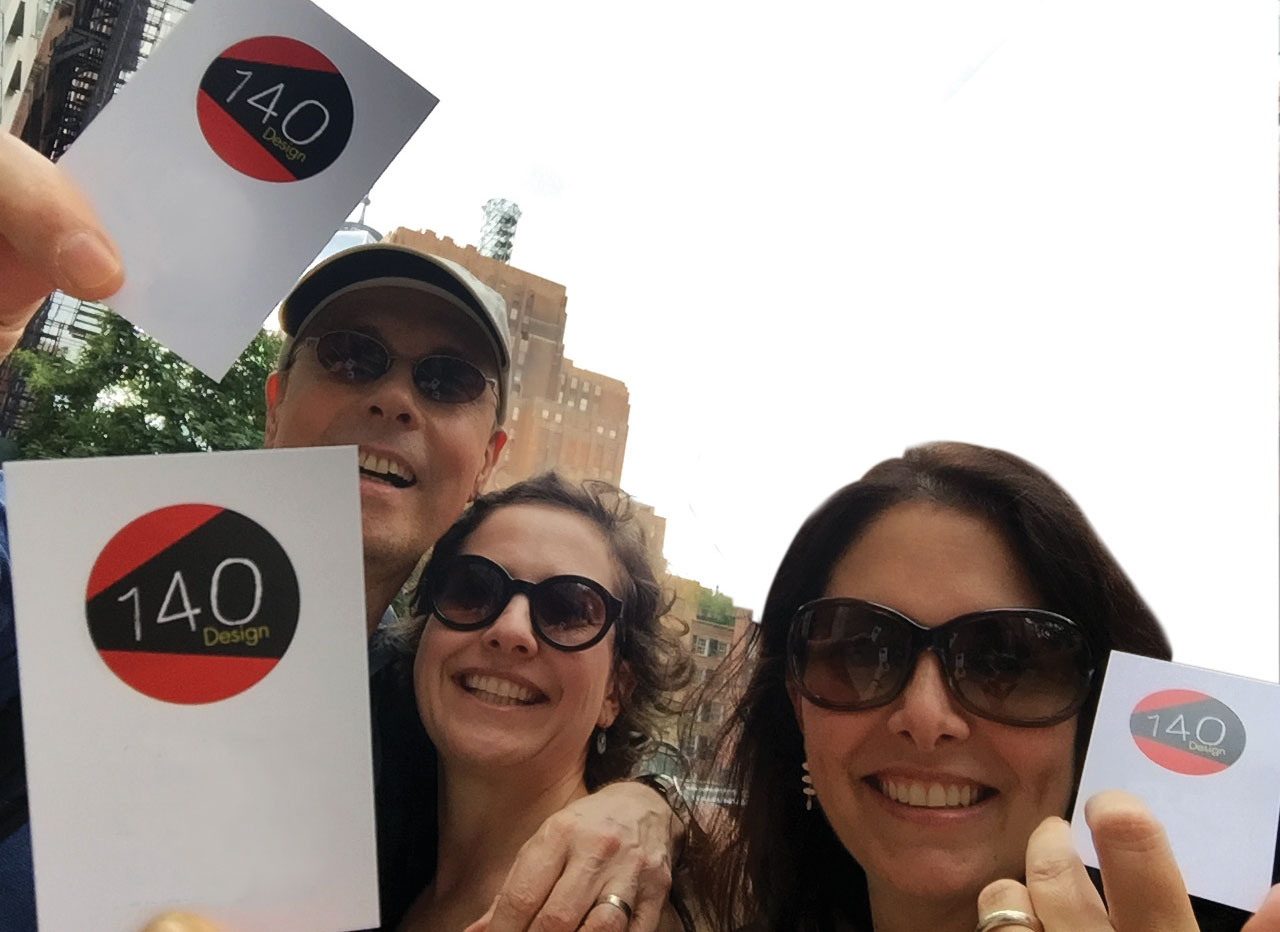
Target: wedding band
1008	917
617	902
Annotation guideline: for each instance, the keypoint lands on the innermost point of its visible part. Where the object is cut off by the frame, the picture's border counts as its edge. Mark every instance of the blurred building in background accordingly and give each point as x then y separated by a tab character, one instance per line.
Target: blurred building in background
60	62
561	416
715	628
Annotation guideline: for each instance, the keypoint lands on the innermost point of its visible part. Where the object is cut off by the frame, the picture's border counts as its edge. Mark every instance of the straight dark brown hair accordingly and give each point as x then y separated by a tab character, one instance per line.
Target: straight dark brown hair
780	866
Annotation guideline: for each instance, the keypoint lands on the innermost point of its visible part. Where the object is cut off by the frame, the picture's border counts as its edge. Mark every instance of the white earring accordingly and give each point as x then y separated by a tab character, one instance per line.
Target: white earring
807	787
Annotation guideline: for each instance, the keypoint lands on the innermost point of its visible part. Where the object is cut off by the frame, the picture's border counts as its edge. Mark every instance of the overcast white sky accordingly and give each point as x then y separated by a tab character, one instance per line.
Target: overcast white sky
810	235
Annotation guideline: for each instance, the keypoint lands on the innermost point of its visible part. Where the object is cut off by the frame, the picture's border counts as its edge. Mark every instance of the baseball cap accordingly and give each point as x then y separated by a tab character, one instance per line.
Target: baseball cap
379	264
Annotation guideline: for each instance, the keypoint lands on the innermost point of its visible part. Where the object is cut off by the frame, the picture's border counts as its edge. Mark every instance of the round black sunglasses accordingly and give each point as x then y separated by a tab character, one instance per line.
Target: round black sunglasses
469	592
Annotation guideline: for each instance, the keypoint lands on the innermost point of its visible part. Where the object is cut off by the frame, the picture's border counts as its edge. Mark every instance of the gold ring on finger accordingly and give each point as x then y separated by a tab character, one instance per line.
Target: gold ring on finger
617	902
1008	917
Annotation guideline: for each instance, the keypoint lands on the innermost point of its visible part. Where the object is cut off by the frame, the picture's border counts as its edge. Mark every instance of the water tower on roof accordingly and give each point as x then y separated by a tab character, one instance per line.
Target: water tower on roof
500	218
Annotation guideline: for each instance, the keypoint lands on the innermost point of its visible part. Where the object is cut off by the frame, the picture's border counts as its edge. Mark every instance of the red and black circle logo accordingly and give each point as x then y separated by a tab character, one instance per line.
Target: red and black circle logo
1187	731
275	109
192	603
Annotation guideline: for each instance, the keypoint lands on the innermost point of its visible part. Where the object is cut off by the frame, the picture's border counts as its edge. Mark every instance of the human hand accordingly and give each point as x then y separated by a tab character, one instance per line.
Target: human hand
1143	885
616	841
49	238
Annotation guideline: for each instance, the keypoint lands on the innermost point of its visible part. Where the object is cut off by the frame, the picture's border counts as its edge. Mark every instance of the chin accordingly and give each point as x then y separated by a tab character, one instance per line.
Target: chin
938	874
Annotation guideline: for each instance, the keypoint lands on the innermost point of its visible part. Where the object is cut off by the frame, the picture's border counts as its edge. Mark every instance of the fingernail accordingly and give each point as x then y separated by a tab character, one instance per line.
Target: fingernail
86	262
178	922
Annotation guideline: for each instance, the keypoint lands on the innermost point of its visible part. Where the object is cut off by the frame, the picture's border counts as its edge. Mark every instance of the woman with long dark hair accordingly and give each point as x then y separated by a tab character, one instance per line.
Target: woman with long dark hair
926	674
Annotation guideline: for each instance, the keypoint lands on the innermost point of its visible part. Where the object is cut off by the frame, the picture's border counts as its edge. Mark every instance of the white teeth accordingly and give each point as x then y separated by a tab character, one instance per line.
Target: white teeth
931	795
384	466
497	689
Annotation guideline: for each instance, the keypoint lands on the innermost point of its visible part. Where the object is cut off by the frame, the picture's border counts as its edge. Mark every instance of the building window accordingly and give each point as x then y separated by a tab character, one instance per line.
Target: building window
582	405
560	398
599	429
559	417
586	386
515	413
545	414
613	434
700	646
597	391
573	382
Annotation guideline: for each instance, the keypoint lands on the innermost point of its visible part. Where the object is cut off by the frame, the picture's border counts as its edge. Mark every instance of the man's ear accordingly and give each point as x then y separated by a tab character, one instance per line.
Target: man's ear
620	689
274	391
496	442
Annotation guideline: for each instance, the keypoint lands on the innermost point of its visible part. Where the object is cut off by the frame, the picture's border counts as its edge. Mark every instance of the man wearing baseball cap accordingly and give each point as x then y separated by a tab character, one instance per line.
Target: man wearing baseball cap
405	356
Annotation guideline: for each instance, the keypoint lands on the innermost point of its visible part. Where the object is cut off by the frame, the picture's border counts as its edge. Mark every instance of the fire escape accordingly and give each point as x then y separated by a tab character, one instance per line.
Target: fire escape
98	50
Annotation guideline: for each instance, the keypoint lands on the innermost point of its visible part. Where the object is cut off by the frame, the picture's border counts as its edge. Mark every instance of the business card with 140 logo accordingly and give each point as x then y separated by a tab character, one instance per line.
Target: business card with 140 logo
1203	750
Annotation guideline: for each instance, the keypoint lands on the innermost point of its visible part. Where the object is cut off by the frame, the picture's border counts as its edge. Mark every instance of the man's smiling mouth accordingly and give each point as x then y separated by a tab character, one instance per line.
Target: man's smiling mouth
386	470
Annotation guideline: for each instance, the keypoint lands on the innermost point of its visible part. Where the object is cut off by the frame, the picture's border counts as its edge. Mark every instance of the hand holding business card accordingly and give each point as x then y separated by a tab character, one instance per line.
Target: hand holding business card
194	675
1202	750
227	162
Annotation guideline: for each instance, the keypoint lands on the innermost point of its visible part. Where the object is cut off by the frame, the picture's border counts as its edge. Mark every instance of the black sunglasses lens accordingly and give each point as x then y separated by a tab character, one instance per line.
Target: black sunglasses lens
850	656
568	613
468	593
1022	668
448	379
352	357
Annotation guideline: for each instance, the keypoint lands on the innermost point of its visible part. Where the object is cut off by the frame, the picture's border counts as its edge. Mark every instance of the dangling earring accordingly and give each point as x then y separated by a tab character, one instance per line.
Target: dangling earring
807	787
602	741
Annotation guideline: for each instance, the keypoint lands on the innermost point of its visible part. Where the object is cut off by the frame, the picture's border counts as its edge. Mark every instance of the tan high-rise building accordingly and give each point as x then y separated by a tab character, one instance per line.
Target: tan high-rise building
560	416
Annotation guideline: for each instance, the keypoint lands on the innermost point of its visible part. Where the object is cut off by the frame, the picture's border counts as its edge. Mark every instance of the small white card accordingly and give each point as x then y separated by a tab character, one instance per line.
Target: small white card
195	694
1202	749
227	162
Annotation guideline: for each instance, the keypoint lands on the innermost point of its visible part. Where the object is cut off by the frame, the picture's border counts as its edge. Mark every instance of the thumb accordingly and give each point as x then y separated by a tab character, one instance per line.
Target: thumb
482	924
179	922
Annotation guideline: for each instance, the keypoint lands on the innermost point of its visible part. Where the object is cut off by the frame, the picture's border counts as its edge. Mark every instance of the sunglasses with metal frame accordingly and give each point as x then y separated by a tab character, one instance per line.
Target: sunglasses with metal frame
1017	666
359	358
469	592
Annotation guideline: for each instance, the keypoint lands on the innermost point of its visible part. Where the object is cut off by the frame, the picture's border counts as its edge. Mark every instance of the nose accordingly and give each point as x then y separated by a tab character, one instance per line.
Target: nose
925	713
394	396
512	631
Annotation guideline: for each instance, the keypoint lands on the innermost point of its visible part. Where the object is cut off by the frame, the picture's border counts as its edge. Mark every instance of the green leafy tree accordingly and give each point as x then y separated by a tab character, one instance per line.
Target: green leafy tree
715	607
123	393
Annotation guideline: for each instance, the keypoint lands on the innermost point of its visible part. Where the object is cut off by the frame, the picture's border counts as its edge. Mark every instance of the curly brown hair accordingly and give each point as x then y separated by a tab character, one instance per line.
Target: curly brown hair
657	665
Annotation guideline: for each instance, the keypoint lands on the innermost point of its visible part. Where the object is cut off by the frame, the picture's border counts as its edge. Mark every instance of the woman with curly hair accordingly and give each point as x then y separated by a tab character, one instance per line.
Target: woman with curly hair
541	664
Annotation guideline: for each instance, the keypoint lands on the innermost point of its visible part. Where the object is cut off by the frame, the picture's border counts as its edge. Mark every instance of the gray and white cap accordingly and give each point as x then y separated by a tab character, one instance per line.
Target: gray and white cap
379	264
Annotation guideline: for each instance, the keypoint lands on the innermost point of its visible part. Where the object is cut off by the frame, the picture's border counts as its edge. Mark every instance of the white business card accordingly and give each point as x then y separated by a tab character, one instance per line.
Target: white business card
1202	749
229	159
195	699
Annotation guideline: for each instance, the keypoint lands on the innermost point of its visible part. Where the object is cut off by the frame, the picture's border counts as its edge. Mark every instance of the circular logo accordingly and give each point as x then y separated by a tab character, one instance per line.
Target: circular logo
192	603
1187	731
275	109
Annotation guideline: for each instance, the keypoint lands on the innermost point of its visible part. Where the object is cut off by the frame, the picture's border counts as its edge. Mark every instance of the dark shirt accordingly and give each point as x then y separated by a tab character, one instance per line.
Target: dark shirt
405	778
